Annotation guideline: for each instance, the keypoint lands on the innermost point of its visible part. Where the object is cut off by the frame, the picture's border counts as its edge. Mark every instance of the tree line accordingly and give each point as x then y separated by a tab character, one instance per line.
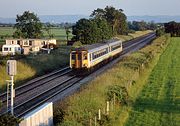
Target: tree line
173	28
103	24
142	25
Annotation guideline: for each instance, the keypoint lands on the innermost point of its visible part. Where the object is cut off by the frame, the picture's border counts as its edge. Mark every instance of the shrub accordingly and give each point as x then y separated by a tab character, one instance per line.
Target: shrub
121	94
77	44
9	120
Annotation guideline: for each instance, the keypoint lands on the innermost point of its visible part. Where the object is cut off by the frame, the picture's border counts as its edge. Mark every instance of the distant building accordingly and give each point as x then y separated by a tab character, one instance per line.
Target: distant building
11	49
30	45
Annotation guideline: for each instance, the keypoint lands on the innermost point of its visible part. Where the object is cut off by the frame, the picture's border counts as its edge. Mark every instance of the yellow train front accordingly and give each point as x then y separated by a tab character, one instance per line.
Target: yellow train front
91	56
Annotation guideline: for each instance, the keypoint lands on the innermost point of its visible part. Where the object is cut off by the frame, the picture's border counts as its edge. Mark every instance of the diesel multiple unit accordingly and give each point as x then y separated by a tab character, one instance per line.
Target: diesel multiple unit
90	56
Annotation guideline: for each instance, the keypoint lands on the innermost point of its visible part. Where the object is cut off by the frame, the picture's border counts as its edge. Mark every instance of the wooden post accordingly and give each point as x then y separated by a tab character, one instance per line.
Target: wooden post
114	99
95	121
90	122
99	115
107	109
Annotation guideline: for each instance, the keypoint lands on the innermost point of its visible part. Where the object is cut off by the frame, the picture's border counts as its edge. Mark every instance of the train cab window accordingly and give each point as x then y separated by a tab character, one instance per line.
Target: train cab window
85	56
73	56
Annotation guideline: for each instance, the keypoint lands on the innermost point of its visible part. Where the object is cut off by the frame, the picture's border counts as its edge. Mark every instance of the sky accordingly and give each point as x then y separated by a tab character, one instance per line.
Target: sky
10	8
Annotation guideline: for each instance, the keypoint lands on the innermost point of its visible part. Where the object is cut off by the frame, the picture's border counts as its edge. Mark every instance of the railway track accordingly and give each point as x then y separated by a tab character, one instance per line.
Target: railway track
58	82
41	98
36	83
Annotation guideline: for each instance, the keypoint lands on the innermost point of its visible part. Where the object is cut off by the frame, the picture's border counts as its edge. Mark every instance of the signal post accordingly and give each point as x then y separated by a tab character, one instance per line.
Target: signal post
11	71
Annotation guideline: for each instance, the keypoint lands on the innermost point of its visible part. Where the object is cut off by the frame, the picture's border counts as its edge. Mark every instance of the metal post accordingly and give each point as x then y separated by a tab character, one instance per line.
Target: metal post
7	96
12	94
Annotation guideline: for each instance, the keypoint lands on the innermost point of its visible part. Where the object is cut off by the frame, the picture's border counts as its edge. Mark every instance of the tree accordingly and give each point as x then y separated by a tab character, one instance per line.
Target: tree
67	29
89	31
160	31
173	28
115	18
28	25
105	30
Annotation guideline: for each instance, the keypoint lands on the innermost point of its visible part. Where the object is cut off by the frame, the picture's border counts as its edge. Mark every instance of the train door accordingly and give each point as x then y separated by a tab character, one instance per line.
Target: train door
85	59
78	59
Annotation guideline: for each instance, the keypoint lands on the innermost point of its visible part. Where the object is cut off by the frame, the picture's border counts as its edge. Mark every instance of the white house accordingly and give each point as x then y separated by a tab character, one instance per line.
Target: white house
28	45
11	49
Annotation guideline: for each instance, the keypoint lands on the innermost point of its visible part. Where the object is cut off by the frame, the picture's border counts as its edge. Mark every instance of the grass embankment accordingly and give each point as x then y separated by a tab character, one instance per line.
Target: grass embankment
82	107
34	65
158	103
133	35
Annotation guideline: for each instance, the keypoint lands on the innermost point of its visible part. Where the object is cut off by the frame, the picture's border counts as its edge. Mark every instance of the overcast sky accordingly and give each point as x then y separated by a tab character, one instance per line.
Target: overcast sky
9	8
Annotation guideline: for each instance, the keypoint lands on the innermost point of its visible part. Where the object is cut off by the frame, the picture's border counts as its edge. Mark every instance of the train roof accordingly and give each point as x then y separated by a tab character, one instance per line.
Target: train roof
99	46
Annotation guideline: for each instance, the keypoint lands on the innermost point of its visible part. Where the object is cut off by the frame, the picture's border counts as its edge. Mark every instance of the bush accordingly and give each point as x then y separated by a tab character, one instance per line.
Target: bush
160	32
9	120
131	31
121	94
77	44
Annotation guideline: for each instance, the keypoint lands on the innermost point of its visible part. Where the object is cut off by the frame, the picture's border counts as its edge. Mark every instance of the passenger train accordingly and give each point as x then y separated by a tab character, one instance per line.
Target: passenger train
90	56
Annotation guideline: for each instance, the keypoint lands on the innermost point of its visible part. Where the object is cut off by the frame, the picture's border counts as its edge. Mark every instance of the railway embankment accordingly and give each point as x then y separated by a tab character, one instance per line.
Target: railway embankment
32	66
109	98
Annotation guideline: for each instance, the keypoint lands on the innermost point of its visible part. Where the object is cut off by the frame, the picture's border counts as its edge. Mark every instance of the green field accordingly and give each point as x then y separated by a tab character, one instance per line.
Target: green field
58	33
6	31
159	102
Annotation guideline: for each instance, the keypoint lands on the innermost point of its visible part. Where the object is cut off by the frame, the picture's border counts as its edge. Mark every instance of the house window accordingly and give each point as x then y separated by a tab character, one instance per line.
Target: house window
12	42
5	49
18	42
30	43
26	43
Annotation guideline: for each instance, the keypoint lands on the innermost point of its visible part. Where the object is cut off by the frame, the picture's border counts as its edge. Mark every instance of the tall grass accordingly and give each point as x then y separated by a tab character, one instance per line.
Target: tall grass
84	105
